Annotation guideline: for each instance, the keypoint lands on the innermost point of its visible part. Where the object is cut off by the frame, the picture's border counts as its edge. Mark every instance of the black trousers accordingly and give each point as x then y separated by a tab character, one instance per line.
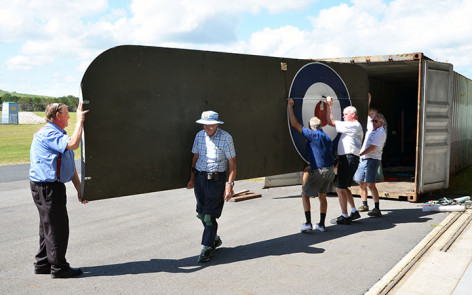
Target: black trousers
210	201
50	198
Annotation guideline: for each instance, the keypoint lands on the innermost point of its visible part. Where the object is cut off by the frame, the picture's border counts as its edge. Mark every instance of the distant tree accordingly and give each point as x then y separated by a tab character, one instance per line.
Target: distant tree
39	104
6	97
14	98
25	104
71	101
63	99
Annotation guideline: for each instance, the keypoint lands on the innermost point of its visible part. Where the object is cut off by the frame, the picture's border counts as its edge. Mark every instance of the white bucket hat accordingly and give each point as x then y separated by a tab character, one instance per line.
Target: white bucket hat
209	118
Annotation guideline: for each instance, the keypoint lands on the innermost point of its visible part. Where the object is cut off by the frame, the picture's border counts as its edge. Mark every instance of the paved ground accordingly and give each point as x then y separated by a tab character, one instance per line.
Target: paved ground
20	172
148	244
439	264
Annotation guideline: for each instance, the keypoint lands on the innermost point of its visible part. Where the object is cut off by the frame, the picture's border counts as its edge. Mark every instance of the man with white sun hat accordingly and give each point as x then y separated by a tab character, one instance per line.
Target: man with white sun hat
213	151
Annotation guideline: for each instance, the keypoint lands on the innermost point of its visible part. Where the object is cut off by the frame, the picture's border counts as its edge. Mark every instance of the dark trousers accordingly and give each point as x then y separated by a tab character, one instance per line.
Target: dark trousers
50	198
347	167
209	233
210	201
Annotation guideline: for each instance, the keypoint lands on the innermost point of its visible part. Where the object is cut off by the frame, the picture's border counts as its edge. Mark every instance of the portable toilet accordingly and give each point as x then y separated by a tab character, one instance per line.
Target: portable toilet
10	113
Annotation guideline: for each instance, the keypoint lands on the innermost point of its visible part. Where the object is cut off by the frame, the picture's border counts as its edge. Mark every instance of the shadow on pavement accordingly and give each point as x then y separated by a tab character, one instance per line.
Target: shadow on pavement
294	243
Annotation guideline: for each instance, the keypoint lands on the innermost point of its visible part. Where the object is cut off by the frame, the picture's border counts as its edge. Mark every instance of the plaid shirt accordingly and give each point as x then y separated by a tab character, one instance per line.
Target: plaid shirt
214	151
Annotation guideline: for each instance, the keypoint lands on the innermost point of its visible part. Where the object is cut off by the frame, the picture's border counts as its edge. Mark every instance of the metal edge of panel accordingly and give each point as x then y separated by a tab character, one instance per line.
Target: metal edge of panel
418	121
82	151
449	125
377	58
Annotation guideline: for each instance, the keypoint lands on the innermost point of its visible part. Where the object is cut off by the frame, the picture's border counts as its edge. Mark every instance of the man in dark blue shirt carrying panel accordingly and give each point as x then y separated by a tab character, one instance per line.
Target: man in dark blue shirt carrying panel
52	165
321	172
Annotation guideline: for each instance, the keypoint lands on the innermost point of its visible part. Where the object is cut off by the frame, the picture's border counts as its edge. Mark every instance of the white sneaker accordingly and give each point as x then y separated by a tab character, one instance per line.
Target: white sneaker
306	227
320	227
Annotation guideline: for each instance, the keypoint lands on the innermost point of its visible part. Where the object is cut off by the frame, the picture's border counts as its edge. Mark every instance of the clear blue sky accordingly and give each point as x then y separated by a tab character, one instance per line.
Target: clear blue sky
46	46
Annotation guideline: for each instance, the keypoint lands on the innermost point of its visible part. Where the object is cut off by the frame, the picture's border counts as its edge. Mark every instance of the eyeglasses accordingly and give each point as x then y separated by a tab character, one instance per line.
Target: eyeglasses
375	121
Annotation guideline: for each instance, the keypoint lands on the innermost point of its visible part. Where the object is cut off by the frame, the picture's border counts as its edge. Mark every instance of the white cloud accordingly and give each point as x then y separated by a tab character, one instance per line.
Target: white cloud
440	29
22	62
46	31
43	18
277	42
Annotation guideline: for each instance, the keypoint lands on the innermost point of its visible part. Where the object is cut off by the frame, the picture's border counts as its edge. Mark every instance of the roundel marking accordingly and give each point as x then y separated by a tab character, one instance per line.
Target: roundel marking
321	112
312	83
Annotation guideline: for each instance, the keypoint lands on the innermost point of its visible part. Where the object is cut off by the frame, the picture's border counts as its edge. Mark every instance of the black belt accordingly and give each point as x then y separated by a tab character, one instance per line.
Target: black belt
45	182
325	168
215	176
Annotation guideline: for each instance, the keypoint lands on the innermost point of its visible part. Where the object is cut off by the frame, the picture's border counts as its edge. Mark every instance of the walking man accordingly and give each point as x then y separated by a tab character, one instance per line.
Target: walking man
213	150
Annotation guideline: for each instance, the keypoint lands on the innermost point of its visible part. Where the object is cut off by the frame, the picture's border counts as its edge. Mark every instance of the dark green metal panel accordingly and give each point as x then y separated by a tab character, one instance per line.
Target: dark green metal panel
144	102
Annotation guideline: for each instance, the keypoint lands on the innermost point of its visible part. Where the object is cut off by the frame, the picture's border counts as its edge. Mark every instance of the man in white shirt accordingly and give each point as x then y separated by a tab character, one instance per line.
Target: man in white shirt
371	156
348	154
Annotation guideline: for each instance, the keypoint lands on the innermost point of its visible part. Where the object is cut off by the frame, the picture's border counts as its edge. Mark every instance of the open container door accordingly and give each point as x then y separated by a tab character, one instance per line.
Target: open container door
433	152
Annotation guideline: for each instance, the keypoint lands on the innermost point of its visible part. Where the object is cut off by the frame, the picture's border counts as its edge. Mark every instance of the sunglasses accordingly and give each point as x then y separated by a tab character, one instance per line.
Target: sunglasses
375	121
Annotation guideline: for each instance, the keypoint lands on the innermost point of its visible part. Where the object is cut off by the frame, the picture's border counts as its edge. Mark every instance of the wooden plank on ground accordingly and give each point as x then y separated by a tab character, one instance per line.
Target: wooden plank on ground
244	195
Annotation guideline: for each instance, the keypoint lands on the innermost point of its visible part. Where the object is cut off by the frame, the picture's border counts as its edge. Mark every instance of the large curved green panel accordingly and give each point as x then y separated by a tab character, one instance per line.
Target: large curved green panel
144	102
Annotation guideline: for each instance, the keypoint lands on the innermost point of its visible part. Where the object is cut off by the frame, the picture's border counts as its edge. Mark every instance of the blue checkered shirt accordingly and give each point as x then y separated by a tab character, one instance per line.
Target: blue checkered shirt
214	151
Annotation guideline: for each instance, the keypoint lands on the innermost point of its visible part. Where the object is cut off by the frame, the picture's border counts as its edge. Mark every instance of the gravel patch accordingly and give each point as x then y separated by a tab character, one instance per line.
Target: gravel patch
30	118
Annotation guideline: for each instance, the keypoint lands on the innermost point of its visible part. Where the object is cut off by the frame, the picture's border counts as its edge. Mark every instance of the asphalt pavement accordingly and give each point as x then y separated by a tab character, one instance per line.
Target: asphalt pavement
149	244
20	172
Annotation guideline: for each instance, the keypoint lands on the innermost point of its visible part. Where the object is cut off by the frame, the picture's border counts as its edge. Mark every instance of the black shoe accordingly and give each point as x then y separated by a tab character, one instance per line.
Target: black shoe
42	270
341	220
355	215
205	255
66	273
375	213
218	242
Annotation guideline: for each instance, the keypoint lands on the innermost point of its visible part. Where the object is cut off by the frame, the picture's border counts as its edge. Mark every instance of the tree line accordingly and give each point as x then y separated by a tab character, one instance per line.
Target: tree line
38	104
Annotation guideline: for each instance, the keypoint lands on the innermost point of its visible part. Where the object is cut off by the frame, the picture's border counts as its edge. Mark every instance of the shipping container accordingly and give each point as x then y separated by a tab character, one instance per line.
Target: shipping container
428	108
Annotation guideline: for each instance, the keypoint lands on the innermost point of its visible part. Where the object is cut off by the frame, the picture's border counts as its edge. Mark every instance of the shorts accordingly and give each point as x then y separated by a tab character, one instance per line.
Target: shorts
346	168
318	181
367	170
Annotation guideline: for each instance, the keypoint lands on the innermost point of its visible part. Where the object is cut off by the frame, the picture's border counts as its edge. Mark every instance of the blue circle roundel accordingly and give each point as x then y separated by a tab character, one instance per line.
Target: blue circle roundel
310	86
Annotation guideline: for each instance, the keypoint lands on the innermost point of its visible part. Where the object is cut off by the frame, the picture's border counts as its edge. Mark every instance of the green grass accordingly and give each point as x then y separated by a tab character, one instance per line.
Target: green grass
460	184
15	141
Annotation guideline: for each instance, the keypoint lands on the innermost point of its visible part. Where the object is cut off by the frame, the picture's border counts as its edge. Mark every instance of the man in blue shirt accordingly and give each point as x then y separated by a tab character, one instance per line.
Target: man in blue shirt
321	159
52	165
213	150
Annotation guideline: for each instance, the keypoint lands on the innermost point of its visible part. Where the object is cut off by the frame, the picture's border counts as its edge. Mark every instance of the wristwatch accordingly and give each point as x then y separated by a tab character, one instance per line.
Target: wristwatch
230	183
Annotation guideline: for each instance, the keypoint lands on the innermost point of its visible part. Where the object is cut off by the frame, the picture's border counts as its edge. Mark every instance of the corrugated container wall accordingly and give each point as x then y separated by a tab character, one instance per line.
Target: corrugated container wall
461	124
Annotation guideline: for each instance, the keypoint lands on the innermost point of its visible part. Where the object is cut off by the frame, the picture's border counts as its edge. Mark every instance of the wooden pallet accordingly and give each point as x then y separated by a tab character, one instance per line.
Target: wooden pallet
244	195
392	190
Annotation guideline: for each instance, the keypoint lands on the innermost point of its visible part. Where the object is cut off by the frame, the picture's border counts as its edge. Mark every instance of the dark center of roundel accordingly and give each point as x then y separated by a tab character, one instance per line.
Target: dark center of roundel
320	112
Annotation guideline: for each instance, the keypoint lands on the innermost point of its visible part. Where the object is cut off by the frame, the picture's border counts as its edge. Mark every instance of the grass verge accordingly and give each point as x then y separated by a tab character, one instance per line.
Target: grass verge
15	141
460	184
